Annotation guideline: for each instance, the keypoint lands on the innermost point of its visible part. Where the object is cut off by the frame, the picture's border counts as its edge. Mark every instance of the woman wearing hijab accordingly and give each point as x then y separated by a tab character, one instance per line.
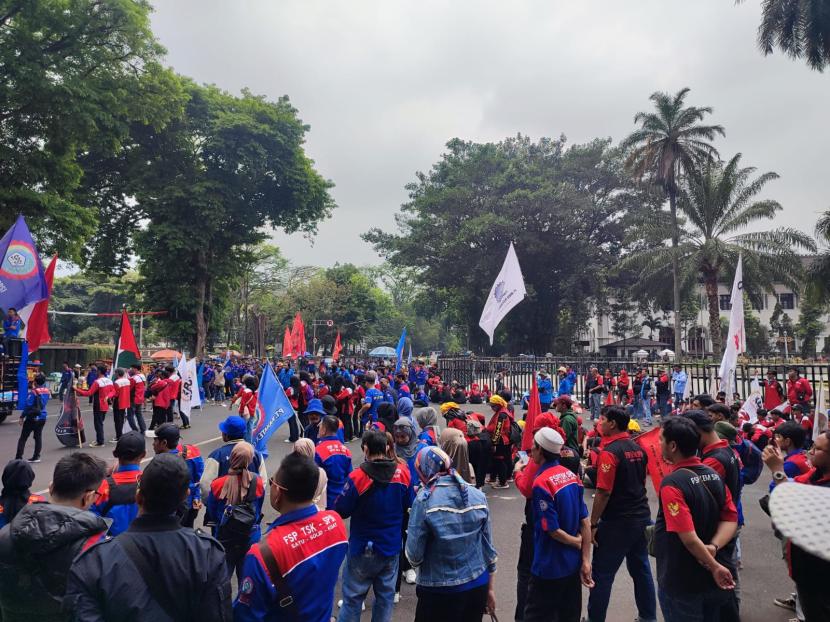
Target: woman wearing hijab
407	447
453	442
428	422
305	447
17	479
450	543
233	498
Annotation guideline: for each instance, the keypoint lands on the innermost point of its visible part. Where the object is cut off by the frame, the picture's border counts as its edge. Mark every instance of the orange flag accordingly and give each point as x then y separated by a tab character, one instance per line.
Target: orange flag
534	409
338	348
286	344
657	467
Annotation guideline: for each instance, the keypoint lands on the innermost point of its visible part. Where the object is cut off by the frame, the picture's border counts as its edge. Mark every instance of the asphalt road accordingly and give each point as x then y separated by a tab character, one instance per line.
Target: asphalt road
763	577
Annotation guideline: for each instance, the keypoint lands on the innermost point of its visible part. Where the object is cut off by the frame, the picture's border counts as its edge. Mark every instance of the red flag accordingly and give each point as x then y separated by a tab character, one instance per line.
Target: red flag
338	348
287	347
657	467
299	339
534	409
37	331
126	350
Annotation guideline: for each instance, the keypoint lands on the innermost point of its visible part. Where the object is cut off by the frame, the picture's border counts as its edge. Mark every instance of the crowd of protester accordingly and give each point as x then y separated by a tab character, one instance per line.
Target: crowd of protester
116	541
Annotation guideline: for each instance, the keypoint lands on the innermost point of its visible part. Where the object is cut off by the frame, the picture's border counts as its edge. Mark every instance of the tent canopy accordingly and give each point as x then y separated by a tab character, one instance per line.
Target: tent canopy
163	355
383	351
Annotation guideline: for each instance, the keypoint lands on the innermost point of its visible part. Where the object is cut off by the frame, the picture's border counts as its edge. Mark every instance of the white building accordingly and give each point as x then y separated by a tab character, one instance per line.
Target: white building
600	336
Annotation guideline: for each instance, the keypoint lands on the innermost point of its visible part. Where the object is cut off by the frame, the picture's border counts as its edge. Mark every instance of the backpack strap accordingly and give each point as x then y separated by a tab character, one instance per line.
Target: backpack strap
150	576
286	599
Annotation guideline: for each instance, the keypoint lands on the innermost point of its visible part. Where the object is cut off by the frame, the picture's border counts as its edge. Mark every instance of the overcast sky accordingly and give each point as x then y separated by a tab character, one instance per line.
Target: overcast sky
385	84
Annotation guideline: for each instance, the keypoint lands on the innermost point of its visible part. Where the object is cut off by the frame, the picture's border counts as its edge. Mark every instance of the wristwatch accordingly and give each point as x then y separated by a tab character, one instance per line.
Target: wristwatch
779	476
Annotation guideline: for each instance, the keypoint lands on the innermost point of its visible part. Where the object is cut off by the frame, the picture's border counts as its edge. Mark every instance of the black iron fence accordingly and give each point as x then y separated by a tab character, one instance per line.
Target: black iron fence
517	372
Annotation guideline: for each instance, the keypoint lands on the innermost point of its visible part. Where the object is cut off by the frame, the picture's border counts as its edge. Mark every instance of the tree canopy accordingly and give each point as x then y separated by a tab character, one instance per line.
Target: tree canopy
564	207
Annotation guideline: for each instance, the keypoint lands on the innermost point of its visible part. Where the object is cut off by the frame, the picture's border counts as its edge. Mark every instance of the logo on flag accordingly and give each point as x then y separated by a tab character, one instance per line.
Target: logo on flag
20	261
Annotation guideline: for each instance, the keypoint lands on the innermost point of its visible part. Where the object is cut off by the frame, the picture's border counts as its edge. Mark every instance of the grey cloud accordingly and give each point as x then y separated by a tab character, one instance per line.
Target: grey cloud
385	84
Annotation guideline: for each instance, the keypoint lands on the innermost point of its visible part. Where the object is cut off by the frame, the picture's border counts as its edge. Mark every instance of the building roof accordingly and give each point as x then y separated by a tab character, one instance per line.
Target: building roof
636	342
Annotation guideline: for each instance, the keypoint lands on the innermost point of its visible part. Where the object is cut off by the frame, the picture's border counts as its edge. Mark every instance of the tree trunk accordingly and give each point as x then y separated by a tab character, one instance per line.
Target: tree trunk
710	282
675	242
201	324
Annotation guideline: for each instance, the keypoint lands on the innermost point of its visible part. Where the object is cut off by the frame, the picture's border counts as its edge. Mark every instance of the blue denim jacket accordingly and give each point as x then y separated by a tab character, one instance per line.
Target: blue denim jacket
450	542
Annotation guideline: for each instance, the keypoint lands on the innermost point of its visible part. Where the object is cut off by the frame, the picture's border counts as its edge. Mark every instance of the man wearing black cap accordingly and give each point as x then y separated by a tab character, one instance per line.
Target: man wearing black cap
219	461
173	573
116	495
166	440
619	517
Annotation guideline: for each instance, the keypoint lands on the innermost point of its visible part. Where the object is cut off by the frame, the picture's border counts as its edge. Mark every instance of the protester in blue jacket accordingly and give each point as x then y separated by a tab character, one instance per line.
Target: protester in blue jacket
545	386
304	545
334	457
33	418
377	497
567	381
116	495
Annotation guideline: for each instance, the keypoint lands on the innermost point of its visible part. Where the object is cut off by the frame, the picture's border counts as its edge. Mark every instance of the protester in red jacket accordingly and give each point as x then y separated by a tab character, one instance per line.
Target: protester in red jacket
773	391
103	390
799	390
499	430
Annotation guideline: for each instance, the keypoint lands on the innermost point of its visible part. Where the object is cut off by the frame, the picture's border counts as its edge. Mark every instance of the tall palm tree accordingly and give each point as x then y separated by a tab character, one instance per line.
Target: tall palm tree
819	271
670	144
800	29
719	205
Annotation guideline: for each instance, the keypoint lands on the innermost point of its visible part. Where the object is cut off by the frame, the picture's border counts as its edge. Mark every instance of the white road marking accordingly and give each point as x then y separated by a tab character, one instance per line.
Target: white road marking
199	444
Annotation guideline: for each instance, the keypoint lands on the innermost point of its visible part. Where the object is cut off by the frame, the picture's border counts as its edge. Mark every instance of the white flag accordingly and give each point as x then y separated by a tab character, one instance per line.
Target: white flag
190	390
508	290
820	419
753	401
713	382
736	341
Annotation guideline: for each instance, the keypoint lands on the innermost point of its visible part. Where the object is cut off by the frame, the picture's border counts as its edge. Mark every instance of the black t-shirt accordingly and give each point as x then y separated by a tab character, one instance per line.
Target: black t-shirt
621	469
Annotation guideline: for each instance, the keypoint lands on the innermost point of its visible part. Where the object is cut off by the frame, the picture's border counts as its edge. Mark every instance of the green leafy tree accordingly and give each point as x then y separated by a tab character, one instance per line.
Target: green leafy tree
562	206
671	143
213	180
757	336
799	29
810	324
76	74
719	204
819	269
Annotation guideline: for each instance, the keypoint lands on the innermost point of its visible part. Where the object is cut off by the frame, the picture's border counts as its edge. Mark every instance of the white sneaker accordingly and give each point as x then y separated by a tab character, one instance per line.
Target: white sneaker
397	598
362	605
410	577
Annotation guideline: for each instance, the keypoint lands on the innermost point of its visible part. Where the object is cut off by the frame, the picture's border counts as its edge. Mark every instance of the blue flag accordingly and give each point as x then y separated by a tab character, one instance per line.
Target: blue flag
399	350
272	409
227	359
22	281
23	377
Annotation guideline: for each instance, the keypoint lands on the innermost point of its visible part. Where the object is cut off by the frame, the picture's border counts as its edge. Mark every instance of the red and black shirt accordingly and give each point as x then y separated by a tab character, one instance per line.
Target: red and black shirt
692	498
621	470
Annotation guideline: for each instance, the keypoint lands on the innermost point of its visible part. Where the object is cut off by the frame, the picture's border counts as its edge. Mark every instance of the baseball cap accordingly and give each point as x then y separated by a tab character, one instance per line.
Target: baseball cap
549	440
233	426
130	446
166	432
78	365
329	404
315	406
561	368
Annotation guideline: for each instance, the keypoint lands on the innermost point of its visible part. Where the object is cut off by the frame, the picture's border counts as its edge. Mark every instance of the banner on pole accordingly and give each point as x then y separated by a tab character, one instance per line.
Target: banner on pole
736	340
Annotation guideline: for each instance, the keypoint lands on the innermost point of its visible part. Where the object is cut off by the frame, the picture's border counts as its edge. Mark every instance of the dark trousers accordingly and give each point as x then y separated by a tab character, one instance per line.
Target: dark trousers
403	563
135	418
118	417
159	416
348	430
554	600
617	541
98	422
31	427
168	415
501	463
523	570
293	430
467	606
189	517
815	602
479	456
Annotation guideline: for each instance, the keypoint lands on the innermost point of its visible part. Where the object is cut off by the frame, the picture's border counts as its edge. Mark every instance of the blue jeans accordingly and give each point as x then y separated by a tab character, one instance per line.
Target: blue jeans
595	401
249	428
678	400
620	540
642	409
693	607
365	571
663	405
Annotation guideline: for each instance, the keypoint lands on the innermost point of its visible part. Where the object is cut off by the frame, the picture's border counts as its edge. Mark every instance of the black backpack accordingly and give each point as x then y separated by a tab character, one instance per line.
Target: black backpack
119	494
237	521
515	434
